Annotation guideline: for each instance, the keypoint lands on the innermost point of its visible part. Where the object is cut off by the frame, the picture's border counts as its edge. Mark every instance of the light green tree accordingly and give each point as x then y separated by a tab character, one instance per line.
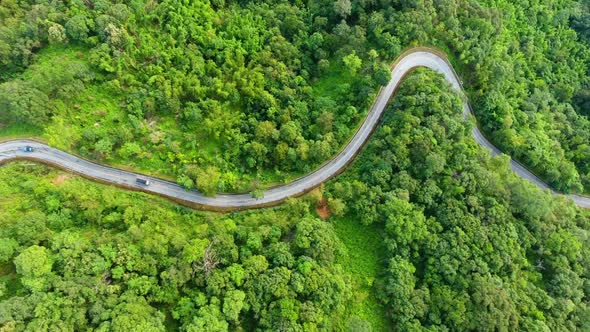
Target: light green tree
34	265
352	62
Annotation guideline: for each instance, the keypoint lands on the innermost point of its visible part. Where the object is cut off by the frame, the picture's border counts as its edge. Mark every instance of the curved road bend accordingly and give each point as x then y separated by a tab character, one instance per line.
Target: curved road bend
419	58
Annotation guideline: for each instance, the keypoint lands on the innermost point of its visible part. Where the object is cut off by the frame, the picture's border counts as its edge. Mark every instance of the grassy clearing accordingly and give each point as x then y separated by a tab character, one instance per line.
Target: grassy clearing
19	130
94	107
334	76
364	262
51	58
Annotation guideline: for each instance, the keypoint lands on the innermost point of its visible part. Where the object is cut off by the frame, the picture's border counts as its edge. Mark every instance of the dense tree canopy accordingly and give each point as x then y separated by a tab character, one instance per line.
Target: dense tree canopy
78	256
231	95
263	91
470	246
467	245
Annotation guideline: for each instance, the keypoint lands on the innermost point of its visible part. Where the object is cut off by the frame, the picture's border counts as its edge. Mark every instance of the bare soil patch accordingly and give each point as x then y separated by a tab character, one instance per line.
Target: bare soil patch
322	209
60	179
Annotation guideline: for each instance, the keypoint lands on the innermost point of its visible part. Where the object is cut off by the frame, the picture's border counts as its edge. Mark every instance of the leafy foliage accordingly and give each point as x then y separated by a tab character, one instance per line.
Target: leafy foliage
93	257
470	246
265	91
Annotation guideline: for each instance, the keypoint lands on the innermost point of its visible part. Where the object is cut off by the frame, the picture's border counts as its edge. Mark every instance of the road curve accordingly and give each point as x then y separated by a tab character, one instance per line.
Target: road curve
11	150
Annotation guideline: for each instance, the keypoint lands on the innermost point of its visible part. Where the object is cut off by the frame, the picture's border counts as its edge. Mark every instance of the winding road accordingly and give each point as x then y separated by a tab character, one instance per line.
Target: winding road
15	149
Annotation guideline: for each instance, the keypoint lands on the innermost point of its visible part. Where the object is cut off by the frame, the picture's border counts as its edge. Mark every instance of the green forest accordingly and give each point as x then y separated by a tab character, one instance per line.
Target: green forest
228	96
423	232
448	239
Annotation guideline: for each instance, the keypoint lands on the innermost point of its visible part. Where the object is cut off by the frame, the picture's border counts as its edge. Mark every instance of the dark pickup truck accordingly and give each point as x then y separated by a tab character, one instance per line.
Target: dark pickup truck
144	182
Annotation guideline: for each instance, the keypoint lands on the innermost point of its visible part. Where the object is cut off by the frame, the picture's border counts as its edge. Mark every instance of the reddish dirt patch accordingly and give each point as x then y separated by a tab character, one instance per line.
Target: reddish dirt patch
322	209
60	179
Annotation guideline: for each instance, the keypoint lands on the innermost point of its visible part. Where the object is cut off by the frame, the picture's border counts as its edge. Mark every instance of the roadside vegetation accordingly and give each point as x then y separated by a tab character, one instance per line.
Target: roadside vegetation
255	94
75	255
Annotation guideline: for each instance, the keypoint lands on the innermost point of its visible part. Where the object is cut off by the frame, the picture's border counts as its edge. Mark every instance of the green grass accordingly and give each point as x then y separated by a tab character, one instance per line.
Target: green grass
18	130
52	57
333	77
364	262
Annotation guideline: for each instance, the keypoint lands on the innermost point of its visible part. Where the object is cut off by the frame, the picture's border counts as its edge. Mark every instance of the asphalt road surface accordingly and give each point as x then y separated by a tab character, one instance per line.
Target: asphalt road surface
414	58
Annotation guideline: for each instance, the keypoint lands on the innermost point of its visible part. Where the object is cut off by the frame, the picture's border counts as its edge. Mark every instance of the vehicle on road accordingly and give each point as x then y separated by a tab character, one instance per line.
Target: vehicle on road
28	148
144	182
